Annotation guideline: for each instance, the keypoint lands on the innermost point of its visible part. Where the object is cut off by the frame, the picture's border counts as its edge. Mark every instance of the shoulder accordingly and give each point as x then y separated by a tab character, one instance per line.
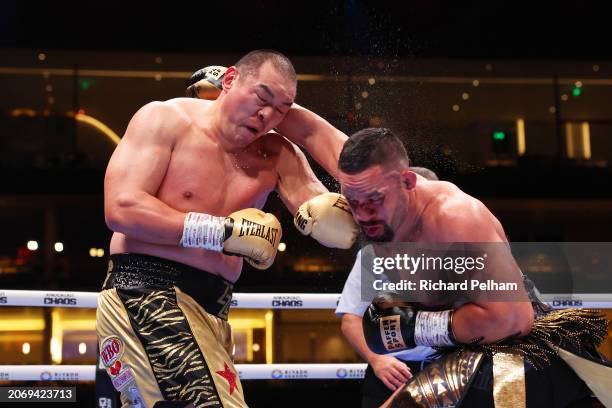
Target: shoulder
189	105
180	111
275	144
459	217
163	114
160	122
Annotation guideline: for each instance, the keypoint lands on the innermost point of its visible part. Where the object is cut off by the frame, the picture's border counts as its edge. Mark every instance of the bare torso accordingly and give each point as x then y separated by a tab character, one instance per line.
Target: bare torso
202	177
443	202
439	200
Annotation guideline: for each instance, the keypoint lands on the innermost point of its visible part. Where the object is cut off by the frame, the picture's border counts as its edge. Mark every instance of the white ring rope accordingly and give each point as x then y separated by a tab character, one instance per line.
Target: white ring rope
81	373
88	300
42	298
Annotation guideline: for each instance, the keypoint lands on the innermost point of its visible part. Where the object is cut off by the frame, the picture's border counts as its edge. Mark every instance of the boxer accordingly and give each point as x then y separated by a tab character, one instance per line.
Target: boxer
183	192
489	347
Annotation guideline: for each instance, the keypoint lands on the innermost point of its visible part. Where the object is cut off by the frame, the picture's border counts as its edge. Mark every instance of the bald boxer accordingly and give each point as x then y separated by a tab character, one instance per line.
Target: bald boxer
183	192
304	127
300	125
392	204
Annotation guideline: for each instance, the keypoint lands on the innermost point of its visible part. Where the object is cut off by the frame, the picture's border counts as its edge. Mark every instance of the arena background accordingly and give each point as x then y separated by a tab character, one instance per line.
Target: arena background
510	102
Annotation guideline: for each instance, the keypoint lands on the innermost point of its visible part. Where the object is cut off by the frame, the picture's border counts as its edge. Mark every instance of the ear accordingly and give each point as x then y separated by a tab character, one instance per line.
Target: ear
409	179
230	76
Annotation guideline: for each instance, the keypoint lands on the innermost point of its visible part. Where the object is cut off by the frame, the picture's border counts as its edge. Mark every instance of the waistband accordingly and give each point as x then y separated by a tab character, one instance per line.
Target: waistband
138	271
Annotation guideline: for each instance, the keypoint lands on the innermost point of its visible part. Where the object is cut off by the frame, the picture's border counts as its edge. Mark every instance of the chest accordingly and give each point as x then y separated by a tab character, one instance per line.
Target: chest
203	177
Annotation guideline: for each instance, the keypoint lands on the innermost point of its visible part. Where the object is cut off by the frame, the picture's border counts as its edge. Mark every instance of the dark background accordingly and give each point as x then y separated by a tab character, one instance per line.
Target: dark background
424	28
537	198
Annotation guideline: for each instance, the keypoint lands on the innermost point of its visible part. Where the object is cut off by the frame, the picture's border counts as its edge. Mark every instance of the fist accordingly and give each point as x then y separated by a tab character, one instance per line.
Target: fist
328	219
388	325
254	235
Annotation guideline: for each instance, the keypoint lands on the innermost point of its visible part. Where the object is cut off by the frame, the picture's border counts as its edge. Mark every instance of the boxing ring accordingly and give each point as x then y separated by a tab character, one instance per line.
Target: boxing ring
88	300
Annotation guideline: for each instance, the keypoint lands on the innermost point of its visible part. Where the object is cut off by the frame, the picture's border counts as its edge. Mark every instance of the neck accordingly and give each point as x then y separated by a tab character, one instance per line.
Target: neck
214	127
411	220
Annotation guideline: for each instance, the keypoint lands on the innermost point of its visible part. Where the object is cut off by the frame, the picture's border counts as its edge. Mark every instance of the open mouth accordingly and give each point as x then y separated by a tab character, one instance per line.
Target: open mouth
252	130
372	230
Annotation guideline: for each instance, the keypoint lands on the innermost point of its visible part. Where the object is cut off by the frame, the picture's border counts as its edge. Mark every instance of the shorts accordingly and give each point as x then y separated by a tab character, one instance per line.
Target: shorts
163	333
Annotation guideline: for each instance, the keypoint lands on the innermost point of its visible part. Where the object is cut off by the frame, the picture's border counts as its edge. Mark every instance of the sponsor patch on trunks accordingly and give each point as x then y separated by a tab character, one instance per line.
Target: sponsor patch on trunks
111	351
123	378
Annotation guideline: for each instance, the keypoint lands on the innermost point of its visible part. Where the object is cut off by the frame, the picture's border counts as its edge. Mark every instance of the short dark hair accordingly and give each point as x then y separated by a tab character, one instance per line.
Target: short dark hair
425	172
250	63
369	147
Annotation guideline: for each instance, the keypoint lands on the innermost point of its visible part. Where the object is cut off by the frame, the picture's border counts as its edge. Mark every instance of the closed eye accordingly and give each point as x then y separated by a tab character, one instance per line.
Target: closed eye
378	201
369	202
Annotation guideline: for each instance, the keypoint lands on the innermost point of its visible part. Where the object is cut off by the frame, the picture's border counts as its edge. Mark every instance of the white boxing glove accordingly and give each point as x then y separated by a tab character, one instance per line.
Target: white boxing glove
328	219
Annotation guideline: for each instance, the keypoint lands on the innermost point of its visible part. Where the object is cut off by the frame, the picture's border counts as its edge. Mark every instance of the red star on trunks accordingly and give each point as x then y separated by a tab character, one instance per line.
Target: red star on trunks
229	376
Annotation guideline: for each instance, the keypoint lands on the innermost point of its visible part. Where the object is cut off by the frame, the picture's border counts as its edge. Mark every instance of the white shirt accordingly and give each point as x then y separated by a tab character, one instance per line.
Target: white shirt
355	302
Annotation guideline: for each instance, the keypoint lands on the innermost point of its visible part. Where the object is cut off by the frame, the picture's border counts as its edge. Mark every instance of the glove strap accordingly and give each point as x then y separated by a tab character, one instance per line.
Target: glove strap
203	231
433	329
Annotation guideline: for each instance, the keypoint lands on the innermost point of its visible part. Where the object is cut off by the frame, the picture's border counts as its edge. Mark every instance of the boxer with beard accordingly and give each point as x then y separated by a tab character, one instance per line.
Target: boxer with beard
491	353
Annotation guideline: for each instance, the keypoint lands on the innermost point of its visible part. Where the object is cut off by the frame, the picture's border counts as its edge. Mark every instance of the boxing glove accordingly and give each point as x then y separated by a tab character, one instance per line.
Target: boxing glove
206	82
328	219
249	233
390	325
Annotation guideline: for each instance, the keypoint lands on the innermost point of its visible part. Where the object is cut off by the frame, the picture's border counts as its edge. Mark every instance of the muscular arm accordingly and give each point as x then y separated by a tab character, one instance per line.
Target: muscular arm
296	181
323	141
492	320
135	173
470	221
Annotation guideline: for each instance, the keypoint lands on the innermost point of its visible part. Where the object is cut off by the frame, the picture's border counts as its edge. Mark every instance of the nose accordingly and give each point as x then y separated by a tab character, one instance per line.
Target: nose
364	213
264	114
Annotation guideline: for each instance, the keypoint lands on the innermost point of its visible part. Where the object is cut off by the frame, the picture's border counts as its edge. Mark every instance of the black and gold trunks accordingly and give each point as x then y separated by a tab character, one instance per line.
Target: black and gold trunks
163	333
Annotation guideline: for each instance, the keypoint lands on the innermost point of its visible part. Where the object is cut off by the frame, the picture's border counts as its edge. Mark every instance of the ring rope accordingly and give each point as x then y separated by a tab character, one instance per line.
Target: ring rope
79	373
44	298
83	373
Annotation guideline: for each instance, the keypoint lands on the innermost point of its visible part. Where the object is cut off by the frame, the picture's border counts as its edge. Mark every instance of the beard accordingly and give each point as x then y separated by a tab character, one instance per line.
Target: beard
386	236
